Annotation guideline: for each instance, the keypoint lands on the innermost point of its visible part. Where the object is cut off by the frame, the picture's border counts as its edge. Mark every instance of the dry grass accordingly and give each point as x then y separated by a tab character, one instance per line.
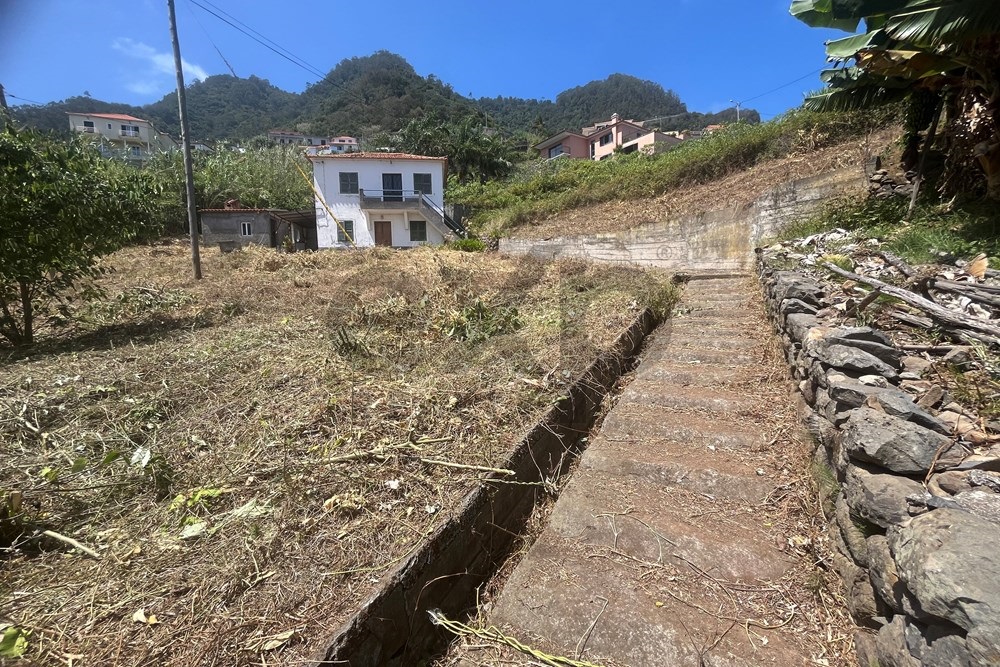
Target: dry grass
738	189
218	409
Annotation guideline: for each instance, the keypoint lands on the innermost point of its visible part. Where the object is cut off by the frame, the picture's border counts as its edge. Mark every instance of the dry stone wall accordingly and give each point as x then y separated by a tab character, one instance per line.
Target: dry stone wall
914	510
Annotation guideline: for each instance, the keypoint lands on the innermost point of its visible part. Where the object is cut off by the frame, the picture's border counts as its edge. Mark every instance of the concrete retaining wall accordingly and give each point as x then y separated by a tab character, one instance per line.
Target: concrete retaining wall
718	241
393	627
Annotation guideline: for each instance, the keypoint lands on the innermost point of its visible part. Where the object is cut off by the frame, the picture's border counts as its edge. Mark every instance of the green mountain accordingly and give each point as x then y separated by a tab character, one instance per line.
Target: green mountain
382	92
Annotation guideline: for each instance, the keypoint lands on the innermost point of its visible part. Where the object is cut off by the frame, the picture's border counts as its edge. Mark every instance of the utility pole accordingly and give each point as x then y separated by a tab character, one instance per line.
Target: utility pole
185	144
4	111
737	109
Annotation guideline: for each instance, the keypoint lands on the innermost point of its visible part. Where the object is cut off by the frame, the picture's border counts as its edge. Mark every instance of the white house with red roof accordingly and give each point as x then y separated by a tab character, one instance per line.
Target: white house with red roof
384	199
122	135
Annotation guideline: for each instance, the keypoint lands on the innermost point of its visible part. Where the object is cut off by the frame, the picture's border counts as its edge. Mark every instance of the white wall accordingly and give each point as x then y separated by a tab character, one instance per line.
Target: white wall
326	175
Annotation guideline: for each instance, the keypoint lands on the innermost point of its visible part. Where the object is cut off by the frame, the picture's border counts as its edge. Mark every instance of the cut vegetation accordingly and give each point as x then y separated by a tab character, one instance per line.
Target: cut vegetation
227	468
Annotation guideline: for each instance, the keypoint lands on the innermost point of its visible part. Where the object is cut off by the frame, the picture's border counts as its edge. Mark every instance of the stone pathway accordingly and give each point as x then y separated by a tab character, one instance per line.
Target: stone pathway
658	551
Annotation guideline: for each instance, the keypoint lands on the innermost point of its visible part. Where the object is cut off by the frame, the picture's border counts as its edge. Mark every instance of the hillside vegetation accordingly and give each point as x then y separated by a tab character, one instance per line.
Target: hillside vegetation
543	189
381	92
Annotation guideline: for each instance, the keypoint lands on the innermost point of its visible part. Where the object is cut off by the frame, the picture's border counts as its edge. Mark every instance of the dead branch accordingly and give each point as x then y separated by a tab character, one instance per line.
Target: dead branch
988	332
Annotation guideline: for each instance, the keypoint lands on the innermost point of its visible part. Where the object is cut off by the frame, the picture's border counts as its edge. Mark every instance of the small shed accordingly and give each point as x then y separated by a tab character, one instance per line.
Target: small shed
235	227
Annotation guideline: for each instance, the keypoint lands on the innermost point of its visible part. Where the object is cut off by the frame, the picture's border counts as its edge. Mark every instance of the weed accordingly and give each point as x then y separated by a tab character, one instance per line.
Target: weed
467	245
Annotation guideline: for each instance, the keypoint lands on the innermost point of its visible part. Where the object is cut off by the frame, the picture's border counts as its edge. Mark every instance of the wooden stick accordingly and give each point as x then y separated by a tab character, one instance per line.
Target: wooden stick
938	349
898	262
73	543
934	310
464	466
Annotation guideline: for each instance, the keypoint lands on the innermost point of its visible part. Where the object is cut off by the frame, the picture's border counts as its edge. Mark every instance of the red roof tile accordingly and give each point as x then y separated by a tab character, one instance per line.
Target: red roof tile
109	116
375	156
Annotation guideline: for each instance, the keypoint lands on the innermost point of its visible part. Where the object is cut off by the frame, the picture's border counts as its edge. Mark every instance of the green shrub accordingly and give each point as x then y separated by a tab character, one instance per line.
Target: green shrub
467	245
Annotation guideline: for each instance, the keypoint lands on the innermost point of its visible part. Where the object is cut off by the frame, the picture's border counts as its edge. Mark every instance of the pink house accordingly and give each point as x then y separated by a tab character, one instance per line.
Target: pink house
599	140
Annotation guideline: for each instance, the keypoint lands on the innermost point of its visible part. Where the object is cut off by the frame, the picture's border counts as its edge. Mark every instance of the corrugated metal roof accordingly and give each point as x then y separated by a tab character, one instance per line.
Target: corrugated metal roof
109	116
375	156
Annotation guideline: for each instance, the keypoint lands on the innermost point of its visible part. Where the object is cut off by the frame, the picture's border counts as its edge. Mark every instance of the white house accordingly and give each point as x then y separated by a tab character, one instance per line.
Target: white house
120	134
386	199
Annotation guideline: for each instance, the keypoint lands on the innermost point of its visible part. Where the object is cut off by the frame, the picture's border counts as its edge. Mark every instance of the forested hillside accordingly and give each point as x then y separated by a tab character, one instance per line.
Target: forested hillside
382	92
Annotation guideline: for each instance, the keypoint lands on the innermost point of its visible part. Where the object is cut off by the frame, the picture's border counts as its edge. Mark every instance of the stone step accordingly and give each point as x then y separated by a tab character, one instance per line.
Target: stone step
630	423
692	399
653	556
690	375
717	473
690	355
569	599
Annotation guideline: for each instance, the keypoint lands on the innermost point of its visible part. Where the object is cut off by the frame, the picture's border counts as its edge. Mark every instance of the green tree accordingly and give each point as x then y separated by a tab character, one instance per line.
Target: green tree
924	50
61	207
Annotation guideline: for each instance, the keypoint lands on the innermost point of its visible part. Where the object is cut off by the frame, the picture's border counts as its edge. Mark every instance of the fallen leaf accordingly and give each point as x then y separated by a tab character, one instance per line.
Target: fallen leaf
194	530
278	640
977	266
13	642
140	616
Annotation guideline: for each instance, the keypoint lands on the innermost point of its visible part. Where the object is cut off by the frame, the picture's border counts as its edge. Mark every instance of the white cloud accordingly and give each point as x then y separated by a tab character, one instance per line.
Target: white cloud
159	71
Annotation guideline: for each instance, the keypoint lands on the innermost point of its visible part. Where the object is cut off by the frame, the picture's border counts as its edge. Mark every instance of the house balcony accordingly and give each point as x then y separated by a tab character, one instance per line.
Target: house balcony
88	129
409	200
391	200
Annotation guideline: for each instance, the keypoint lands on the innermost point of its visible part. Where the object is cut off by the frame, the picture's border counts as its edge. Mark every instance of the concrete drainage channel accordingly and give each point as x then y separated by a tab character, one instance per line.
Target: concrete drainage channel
393	627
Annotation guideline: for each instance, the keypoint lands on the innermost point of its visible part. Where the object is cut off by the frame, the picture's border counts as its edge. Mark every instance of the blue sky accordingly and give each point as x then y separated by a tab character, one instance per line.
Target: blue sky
708	51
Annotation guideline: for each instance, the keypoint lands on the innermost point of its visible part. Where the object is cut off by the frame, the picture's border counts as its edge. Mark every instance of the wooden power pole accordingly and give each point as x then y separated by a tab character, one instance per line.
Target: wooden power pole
185	144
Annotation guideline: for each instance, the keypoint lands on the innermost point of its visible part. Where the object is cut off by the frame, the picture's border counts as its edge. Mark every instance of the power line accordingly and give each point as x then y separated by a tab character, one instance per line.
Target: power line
783	86
24	99
210	41
260	39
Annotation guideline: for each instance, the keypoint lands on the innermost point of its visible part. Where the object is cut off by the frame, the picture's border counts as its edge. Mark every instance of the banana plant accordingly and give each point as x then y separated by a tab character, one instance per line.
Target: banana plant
916	45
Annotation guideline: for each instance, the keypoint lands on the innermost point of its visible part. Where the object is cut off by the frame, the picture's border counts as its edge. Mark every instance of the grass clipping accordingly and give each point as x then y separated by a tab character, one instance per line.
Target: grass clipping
247	455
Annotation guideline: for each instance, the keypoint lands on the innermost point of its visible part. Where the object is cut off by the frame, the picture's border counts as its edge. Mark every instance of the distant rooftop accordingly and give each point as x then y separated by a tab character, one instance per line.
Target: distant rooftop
375	155
109	116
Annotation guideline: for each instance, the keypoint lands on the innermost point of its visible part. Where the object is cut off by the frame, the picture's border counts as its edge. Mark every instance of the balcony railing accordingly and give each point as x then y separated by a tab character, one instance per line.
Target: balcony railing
129	133
391	198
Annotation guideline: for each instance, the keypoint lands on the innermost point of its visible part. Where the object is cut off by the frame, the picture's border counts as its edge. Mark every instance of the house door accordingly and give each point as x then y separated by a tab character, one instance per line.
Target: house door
383	232
392	187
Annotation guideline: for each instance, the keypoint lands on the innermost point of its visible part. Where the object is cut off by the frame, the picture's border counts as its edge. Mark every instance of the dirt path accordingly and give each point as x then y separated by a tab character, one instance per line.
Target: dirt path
686	536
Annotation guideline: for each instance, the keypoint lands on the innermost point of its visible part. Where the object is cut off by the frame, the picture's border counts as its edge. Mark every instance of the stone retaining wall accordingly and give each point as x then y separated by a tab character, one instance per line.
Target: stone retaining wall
914	510
393	627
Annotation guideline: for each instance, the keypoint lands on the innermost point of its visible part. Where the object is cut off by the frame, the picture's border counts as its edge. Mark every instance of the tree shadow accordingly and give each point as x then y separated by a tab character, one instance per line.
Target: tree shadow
106	337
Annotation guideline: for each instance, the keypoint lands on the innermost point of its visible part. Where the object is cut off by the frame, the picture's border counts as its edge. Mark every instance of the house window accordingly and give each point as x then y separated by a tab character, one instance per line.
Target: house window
345	231
422	183
348	182
134	150
246	229
418	230
606	139
130	130
322	142
109	126
88	126
556	150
